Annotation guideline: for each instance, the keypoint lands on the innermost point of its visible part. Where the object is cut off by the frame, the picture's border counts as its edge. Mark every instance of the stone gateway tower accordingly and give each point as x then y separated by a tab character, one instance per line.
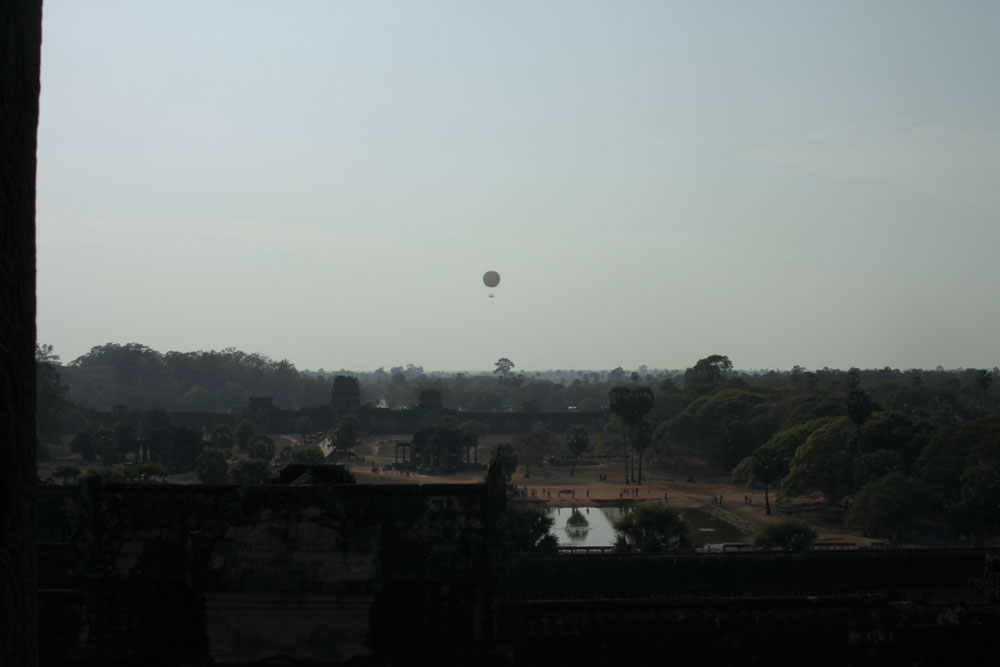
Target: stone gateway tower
345	398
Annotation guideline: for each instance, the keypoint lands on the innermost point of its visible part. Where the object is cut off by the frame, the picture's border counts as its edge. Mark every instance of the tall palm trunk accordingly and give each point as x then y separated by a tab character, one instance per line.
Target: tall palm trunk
625	450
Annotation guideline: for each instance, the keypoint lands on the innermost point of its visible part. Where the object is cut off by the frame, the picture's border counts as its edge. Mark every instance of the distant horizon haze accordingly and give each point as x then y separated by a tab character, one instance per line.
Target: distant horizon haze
329	369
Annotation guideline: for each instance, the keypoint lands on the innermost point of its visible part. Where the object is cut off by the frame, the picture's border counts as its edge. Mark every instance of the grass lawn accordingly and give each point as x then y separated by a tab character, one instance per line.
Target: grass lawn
720	533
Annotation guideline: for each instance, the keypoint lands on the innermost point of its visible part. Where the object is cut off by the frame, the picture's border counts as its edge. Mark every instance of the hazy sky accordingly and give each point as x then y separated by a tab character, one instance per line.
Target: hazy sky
800	182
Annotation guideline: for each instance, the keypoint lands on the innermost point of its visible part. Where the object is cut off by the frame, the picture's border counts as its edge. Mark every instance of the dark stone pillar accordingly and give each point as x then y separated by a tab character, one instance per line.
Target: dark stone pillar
20	46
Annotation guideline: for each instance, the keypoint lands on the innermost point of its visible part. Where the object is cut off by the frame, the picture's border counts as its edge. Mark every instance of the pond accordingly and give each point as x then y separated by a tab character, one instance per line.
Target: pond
592	527
596	532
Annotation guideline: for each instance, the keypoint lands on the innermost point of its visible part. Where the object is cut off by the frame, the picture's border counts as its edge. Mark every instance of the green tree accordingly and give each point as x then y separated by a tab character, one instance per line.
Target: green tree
879	463
527	529
532	447
507	457
107	474
211	466
788	535
308	455
983	380
631	406
722	427
891	507
66	473
786	442
504	366
51	395
652	528
823	462
977	513
346	435
852	379
859	408
642	437
250	471
151	472
261	447
105	445
222	437
952	449
304	425
245	430
618	401
577	441
446	423
769	466
707	374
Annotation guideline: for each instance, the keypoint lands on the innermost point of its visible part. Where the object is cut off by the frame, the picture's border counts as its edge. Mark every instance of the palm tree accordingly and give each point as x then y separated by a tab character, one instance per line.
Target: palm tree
768	467
859	408
577	440
654	528
618	400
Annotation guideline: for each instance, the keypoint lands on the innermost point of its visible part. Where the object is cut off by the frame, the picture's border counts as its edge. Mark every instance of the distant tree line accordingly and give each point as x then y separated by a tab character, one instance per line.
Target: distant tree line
214	381
138	376
900	451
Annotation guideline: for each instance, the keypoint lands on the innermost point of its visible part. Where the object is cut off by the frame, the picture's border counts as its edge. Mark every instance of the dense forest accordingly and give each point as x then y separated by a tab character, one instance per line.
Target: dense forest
900	450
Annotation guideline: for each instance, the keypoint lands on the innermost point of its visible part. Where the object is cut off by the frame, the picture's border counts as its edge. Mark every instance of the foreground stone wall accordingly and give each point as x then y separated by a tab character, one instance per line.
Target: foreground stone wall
836	608
20	52
905	574
832	631
143	574
398	575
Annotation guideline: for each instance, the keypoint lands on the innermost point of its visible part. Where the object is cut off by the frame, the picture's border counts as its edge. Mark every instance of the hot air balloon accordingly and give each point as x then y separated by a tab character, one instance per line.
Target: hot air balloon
491	279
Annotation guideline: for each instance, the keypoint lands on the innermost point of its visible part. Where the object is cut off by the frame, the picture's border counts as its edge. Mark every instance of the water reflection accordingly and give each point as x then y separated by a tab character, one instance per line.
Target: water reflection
584	526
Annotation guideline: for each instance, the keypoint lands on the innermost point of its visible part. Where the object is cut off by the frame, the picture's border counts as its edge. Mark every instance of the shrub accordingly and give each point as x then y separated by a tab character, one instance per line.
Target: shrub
151	472
261	447
66	473
211	467
107	474
250	471
788	535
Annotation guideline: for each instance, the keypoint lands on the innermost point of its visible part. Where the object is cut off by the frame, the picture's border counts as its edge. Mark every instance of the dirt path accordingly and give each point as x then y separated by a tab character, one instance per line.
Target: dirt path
600	484
591	484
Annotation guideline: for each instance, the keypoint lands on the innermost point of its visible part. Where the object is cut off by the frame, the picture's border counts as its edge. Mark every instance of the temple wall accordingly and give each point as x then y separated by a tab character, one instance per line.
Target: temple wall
325	574
233	574
373	420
